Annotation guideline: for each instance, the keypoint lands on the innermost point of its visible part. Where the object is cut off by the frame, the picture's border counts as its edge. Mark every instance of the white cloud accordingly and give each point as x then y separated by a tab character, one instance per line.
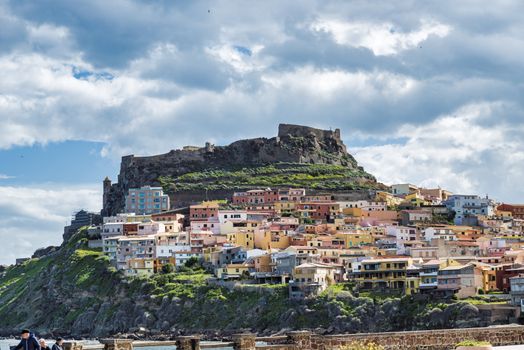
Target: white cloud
382	38
183	75
328	83
5	177
34	217
243	60
460	152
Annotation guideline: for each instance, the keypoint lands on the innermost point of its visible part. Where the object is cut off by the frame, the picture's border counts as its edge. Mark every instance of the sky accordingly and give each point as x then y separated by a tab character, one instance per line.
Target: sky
426	92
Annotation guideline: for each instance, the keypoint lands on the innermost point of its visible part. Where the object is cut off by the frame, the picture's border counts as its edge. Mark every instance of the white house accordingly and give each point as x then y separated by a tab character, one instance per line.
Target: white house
466	206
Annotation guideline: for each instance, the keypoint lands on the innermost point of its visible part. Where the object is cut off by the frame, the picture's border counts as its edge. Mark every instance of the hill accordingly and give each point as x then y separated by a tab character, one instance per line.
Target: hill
75	292
297	156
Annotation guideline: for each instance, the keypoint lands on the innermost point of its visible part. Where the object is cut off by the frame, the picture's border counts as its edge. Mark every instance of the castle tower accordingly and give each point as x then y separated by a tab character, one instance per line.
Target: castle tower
337	133
105	197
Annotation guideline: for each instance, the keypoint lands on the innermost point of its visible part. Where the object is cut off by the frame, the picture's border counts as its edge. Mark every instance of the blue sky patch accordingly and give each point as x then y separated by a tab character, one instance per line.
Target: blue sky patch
69	162
243	50
82	74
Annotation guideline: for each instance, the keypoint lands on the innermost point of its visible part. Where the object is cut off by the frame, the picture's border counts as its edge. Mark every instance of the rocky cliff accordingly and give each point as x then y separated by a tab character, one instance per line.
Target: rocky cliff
75	292
295	150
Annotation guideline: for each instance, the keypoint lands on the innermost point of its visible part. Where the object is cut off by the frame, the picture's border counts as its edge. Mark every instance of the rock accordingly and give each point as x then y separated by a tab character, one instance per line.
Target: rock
293	144
84	323
41	252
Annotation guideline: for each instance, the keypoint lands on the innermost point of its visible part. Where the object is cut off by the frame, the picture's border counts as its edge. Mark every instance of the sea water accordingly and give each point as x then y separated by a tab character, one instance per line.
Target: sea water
5	343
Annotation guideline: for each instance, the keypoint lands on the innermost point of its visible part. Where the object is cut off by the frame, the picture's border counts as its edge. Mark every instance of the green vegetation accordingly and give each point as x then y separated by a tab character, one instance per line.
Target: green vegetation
376	295
483	301
74	270
313	176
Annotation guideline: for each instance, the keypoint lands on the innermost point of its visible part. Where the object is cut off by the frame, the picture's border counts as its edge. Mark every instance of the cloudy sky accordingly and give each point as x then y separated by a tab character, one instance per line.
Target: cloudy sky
424	92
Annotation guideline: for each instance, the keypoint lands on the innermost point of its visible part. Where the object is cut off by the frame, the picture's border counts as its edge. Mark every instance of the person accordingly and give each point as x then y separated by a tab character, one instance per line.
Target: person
28	341
58	344
43	345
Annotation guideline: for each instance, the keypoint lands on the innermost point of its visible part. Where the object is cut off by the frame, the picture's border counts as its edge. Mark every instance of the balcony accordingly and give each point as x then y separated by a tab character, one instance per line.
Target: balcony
429	274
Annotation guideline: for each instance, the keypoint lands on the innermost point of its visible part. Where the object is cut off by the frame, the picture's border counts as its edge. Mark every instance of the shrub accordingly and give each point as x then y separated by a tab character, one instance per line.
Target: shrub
168	268
192	262
361	346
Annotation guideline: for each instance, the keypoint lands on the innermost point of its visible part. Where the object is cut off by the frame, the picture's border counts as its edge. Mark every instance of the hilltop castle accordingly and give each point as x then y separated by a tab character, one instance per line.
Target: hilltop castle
293	144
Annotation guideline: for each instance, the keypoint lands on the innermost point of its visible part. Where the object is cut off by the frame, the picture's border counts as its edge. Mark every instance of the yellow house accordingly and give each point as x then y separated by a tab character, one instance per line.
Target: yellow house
354	212
262	239
263	263
285	207
339	256
265	239
242	238
503	214
390	199
385	274
140	267
416	199
251	226
207	252
233	271
355	239
160	262
489	276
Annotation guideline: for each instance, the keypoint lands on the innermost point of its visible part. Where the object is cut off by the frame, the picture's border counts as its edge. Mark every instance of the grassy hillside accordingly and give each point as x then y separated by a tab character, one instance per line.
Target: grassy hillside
312	176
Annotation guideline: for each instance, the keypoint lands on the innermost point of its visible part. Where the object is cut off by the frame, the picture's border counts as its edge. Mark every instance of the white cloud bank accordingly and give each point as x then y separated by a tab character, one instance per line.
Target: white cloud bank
383	39
34	217
463	152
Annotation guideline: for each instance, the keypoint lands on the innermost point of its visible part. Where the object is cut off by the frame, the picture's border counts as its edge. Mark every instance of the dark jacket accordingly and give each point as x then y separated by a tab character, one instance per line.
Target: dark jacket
56	347
28	344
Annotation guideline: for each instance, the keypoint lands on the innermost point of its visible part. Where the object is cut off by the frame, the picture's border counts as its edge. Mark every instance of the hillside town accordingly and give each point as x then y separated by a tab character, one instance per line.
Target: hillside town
406	240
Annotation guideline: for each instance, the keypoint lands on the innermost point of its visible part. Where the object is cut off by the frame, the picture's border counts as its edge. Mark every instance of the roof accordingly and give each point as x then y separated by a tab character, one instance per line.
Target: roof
431	262
138	238
318	265
239	265
301	247
379	260
454	267
204	205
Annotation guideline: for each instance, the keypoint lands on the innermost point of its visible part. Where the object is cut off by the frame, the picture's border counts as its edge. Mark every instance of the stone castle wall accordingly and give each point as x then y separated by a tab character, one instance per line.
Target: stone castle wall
304	131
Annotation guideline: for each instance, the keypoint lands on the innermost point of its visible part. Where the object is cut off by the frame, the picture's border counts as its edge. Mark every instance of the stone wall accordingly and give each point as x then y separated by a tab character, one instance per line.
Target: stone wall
304	131
445	339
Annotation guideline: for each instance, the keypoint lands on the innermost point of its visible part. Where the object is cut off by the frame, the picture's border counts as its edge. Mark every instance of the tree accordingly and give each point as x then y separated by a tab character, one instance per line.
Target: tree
168	268
192	262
